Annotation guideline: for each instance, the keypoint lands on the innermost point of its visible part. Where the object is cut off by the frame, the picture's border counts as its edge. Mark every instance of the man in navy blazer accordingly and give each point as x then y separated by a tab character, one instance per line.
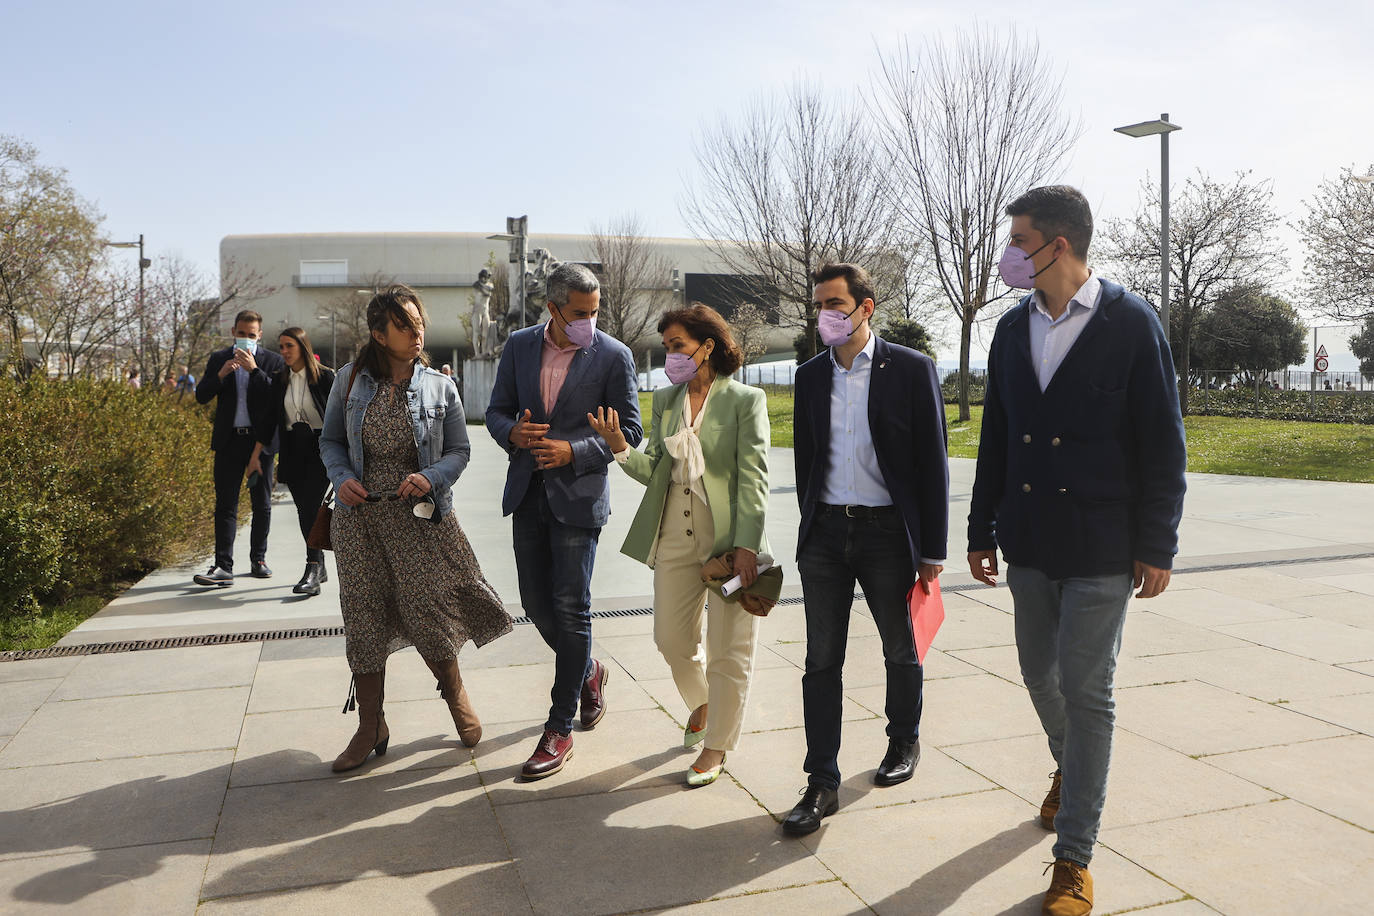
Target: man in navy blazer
1080	482
241	379
549	379
873	484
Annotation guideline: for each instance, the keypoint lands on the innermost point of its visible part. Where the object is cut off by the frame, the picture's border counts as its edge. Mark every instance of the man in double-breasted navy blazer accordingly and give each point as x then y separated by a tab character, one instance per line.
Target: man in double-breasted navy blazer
549	379
873	484
1080	483
240	376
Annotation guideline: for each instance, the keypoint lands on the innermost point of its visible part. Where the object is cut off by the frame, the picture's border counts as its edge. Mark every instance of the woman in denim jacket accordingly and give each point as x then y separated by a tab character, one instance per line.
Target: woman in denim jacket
394	443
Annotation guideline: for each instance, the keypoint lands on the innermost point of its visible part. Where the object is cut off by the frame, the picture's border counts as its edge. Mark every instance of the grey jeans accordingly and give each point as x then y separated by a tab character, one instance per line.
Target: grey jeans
1068	633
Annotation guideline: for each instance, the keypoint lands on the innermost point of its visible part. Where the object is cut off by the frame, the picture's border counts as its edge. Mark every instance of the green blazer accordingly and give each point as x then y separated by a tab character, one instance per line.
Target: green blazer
734	442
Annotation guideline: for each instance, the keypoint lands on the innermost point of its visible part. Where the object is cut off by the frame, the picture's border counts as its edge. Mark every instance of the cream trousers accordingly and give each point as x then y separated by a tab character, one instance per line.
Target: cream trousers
720	676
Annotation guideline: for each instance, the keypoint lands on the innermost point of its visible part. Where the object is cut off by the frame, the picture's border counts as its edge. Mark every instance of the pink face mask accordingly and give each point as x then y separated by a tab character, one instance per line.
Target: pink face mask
1016	268
681	367
835	327
580	332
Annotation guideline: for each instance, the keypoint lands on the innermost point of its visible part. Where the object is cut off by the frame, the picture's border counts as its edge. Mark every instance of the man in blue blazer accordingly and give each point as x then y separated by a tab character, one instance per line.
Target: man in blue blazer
1080	482
549	379
873	483
240	377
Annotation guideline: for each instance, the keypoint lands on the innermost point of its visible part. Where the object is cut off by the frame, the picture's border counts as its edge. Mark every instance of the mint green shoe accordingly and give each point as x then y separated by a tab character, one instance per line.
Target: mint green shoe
697	778
693	738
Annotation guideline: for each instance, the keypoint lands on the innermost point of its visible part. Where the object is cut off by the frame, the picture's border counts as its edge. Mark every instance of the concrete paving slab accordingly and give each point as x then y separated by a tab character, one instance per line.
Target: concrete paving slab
135	879
1362	667
1277	858
36	670
1322	640
1265	585
1256	671
769	767
1179	908
161	671
1331	775
112	727
976	853
825	898
1355	711
999	597
1147	782
1362	582
1350	608
279	650
77	807
1199	719
19	700
1204	607
775	701
521	646
964	709
697	844
1150	634
307	833
637	656
970	624
489	888
297	745
631	749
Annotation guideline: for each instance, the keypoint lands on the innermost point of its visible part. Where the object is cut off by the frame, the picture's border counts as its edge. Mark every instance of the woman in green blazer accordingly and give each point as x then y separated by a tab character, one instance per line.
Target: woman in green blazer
706	469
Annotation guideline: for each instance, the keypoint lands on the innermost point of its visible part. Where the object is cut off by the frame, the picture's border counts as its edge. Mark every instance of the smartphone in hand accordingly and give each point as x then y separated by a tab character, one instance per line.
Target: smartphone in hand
254	478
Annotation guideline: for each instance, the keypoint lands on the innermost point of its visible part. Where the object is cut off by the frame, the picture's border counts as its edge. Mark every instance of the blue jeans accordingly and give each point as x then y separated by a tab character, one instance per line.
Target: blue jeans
554	564
875	552
1068	632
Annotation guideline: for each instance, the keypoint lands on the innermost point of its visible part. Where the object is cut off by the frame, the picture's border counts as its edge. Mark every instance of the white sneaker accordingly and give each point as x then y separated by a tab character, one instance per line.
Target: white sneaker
216	576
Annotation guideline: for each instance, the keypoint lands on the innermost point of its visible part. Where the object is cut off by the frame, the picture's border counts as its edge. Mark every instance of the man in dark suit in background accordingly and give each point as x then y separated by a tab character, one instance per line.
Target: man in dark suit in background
1080	482
873	483
550	378
240	376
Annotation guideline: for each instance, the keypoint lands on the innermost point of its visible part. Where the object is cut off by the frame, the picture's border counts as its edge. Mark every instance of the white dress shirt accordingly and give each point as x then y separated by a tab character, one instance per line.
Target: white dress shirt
853	477
299	405
1052	338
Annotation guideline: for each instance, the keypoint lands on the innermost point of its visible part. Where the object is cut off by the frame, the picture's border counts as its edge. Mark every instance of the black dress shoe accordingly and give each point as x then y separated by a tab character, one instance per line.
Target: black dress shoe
260	570
217	575
817	802
324	573
310	581
900	763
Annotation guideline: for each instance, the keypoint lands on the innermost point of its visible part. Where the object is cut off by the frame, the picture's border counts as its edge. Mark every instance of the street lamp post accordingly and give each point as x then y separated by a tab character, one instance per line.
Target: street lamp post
333	336
1149	129
143	265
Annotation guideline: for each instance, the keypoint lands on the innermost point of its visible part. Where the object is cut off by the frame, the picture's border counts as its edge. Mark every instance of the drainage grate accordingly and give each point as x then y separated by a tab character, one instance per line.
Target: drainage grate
219	639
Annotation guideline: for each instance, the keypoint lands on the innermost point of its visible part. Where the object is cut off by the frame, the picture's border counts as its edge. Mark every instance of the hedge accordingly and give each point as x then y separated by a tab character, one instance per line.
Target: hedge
97	481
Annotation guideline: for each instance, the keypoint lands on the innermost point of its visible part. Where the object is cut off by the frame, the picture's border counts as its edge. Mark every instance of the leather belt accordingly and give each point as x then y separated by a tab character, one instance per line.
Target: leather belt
858	511
243	430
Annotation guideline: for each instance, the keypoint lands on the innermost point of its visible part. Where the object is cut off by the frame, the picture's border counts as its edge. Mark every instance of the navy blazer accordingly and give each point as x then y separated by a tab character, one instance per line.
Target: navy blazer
602	375
906	414
1088	476
260	405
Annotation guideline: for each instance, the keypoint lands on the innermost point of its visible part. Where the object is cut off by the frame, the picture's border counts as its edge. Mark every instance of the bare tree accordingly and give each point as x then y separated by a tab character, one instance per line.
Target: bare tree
795	182
749	325
79	319
634	278
348	308
970	124
1221	235
48	235
1339	234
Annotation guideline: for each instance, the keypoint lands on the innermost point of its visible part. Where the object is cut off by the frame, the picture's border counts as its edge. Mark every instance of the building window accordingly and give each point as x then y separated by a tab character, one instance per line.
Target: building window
324	273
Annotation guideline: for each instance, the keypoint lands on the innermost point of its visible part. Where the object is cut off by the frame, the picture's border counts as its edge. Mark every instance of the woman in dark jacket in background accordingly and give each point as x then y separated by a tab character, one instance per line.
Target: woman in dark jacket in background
300	392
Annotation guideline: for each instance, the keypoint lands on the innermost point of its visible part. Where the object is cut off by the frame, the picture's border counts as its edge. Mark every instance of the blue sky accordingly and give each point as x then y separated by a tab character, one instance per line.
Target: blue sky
188	122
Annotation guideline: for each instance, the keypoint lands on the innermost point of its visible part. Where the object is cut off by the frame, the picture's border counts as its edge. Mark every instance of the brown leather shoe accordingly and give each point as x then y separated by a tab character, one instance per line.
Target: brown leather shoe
372	734
593	696
1071	890
553	751
1050	806
449	683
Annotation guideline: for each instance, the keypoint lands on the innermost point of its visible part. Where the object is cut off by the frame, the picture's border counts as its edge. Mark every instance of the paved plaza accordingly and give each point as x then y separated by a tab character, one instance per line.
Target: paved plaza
196	780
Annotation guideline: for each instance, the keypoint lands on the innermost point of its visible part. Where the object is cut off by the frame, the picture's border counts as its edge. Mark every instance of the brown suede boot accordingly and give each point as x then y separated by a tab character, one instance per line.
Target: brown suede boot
1071	890
1050	806
450	687
372	734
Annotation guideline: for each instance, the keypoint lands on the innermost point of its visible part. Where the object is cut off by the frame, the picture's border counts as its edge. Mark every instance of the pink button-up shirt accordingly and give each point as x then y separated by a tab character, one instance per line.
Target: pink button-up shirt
553	368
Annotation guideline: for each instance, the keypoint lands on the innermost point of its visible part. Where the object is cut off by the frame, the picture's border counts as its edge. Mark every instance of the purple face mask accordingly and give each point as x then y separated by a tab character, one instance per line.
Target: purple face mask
580	332
681	367
835	327
1016	268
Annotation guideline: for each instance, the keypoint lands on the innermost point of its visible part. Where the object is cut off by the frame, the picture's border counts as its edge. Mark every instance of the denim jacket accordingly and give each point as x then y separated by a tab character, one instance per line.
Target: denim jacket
437	421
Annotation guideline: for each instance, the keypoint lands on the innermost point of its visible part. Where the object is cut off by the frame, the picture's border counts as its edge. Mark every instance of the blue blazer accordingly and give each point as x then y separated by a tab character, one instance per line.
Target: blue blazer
906	414
1086	477
602	375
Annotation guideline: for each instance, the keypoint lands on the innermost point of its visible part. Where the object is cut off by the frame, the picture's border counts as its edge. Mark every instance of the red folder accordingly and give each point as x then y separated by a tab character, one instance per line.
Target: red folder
927	613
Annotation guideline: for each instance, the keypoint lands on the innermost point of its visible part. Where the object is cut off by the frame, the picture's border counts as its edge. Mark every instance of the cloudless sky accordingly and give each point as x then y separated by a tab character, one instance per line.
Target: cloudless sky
188	122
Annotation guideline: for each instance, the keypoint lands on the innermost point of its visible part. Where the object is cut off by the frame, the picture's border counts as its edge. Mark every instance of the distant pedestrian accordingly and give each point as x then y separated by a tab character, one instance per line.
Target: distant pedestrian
186	382
394	443
1080	482
135	379
446	369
